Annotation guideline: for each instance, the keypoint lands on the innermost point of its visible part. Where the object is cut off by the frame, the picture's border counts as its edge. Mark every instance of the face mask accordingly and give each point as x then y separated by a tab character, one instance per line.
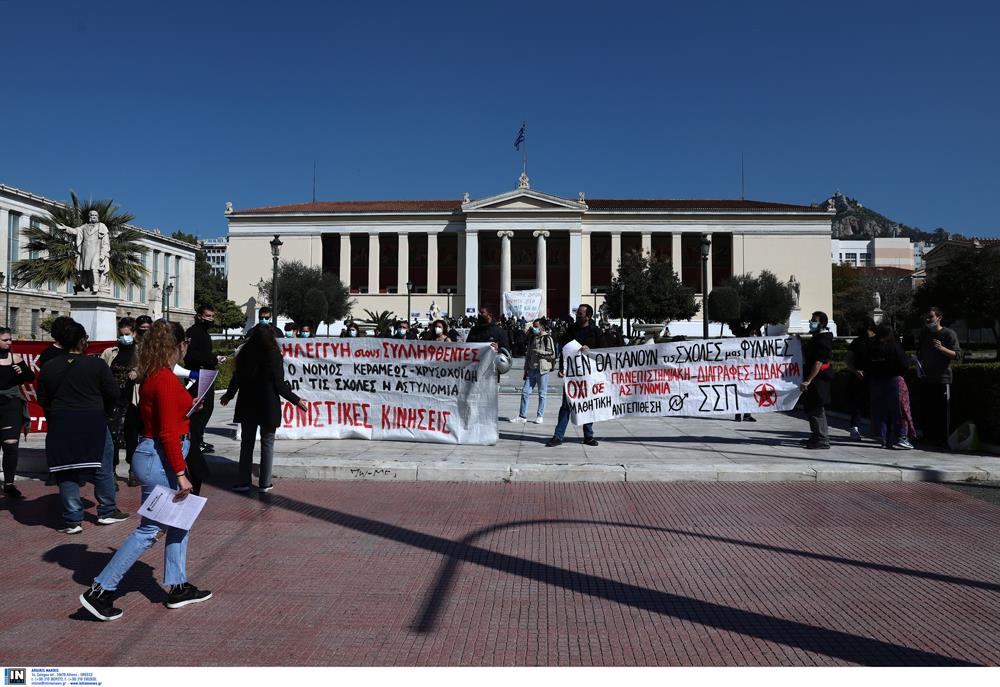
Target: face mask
814	326
482	320
438	331
125	340
265	320
304	335
535	331
402	331
352	332
932	326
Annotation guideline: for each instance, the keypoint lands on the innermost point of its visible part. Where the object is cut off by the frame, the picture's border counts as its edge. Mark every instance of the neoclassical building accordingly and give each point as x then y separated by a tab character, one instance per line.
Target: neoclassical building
462	254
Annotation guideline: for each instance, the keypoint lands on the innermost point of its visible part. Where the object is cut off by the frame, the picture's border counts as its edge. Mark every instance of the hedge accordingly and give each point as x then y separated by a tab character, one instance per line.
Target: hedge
975	396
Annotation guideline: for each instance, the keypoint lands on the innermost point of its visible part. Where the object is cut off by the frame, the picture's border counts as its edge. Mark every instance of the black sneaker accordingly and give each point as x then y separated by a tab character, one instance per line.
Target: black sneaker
554	441
739	418
590	441
241	487
184	594
112	518
12	492
817	446
207	448
749	418
71	528
99	602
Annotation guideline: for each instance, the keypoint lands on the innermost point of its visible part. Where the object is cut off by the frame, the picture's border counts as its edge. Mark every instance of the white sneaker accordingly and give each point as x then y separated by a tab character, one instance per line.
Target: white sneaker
519	420
539	420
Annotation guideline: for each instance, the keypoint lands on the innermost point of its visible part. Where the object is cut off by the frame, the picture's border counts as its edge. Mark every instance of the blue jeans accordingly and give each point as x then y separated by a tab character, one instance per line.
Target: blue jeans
104	488
534	379
151	467
563	422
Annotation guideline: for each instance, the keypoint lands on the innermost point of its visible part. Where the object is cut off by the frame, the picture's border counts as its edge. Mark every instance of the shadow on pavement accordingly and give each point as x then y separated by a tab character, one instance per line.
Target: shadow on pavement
86	564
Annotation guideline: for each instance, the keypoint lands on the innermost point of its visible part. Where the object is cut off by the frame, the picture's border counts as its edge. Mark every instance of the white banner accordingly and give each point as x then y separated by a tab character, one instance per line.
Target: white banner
692	378
391	389
526	304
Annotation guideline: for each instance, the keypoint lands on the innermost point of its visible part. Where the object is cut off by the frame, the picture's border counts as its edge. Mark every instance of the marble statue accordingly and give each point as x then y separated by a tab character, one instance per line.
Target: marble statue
93	254
435	311
878	301
794	287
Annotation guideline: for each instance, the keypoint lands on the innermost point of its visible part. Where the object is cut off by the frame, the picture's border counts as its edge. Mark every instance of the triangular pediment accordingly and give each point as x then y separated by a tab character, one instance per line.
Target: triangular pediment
524	200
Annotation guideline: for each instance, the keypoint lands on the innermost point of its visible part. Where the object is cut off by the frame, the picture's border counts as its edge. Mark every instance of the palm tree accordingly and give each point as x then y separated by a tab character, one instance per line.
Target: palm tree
59	265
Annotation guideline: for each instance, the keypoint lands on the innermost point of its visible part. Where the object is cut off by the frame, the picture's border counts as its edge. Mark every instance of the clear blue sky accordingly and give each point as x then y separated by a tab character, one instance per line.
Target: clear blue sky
173	108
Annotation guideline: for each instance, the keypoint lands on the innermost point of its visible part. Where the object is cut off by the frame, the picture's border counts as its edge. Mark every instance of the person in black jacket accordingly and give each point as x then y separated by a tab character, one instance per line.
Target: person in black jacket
585	333
886	363
486	330
817	380
259	379
200	356
14	372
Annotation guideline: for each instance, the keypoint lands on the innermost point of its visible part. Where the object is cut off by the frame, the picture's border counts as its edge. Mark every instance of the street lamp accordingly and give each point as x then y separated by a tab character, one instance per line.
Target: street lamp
706	248
409	287
6	315
449	292
168	289
275	253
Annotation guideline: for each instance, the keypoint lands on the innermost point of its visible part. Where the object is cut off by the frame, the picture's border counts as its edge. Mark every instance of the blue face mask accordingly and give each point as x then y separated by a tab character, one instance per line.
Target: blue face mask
126	340
536	331
352	332
303	335
813	326
265	320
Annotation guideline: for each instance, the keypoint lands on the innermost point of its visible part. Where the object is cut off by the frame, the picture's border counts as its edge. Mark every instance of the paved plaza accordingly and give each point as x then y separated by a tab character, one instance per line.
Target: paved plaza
423	573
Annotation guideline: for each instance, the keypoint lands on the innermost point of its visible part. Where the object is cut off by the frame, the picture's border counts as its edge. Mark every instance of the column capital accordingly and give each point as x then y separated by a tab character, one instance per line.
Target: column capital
540	234
505	234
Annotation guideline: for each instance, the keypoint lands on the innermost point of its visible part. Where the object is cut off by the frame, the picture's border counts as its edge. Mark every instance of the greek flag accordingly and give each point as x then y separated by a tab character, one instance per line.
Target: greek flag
520	138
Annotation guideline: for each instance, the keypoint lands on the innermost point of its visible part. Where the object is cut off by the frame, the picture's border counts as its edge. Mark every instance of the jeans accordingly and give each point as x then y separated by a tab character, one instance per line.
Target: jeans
588	428
151	467
104	487
534	379
886	420
248	437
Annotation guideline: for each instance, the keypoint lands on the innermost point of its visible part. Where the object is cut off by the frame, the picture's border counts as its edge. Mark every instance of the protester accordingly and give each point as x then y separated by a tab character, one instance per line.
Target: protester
55	350
538	363
305	331
585	333
401	330
886	364
14	418
133	419
123	360
488	331
817	378
143	323
264	317
78	392
158	461
200	356
937	346
437	331
259	381
292	330
351	331
857	385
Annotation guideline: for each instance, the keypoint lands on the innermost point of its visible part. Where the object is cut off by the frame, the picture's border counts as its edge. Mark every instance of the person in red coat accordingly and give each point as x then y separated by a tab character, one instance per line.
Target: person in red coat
158	460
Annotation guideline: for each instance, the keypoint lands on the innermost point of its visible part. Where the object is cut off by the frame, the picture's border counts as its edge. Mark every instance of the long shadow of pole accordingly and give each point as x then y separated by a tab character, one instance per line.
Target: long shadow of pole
832	643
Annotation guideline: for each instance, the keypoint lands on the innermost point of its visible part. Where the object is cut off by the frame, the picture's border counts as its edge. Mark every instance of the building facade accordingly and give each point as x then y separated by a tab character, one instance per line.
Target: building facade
879	252
168	262
462	254
216	251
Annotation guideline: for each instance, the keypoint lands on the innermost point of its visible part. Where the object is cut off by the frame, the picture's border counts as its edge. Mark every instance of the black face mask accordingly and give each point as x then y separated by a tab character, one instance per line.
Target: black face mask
482	320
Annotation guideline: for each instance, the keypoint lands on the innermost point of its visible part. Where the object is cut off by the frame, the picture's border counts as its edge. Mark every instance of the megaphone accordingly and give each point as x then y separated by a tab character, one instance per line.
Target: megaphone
190	376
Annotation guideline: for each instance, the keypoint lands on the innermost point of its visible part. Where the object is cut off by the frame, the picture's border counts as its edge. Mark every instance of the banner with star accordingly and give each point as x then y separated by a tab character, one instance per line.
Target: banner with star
690	378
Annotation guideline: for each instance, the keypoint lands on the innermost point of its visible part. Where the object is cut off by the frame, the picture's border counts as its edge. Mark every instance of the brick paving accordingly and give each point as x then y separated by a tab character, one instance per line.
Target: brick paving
424	573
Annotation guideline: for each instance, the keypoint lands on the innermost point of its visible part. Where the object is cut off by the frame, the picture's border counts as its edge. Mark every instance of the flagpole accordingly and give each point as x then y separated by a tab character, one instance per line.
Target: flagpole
524	157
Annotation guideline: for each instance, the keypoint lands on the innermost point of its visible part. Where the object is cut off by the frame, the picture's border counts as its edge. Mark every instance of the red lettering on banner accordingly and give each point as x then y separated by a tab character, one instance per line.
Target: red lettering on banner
422	419
776	370
723	373
323	413
576	388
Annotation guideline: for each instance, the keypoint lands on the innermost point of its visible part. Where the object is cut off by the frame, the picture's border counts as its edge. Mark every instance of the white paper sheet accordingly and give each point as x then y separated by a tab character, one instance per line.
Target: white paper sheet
161	507
206	380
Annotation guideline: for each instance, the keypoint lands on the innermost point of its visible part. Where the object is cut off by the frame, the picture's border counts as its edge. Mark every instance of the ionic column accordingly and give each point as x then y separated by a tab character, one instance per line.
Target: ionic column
505	237
541	269
345	260
616	252
470	260
708	267
647	243
675	252
432	264
402	262
575	269
372	263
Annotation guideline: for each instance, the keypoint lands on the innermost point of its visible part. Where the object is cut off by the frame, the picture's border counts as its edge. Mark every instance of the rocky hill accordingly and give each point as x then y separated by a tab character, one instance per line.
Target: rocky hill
854	221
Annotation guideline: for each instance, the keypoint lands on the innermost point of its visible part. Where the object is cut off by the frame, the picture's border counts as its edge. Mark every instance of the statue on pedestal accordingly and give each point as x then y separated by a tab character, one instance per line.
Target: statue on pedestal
878	301
93	254
794	288
435	311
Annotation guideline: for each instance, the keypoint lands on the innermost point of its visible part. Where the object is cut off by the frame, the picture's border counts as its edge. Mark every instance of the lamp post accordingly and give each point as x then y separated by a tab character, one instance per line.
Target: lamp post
449	292
706	247
275	253
168	289
409	288
593	290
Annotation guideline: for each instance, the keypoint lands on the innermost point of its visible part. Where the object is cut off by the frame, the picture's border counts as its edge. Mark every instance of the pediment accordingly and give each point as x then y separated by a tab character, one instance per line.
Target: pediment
524	200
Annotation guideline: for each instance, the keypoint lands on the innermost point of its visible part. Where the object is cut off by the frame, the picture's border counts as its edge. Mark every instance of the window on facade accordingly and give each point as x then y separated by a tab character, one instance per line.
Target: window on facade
851	258
722	258
144	280
36	319
35	223
864	259
13	238
13	319
156	266
691	261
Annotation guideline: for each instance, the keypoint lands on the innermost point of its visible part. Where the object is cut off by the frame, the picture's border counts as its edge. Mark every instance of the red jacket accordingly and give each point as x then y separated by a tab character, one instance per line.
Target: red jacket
163	404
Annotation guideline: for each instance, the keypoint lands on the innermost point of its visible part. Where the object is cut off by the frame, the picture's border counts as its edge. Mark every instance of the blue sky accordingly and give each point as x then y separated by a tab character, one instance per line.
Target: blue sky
175	108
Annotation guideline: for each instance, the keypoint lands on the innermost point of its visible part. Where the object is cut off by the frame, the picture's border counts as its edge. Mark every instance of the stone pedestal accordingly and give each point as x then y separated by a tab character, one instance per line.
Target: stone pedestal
878	315
97	313
795	324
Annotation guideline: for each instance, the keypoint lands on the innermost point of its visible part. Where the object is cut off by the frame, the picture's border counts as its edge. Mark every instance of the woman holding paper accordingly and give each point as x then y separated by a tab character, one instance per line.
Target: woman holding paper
158	460
259	378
